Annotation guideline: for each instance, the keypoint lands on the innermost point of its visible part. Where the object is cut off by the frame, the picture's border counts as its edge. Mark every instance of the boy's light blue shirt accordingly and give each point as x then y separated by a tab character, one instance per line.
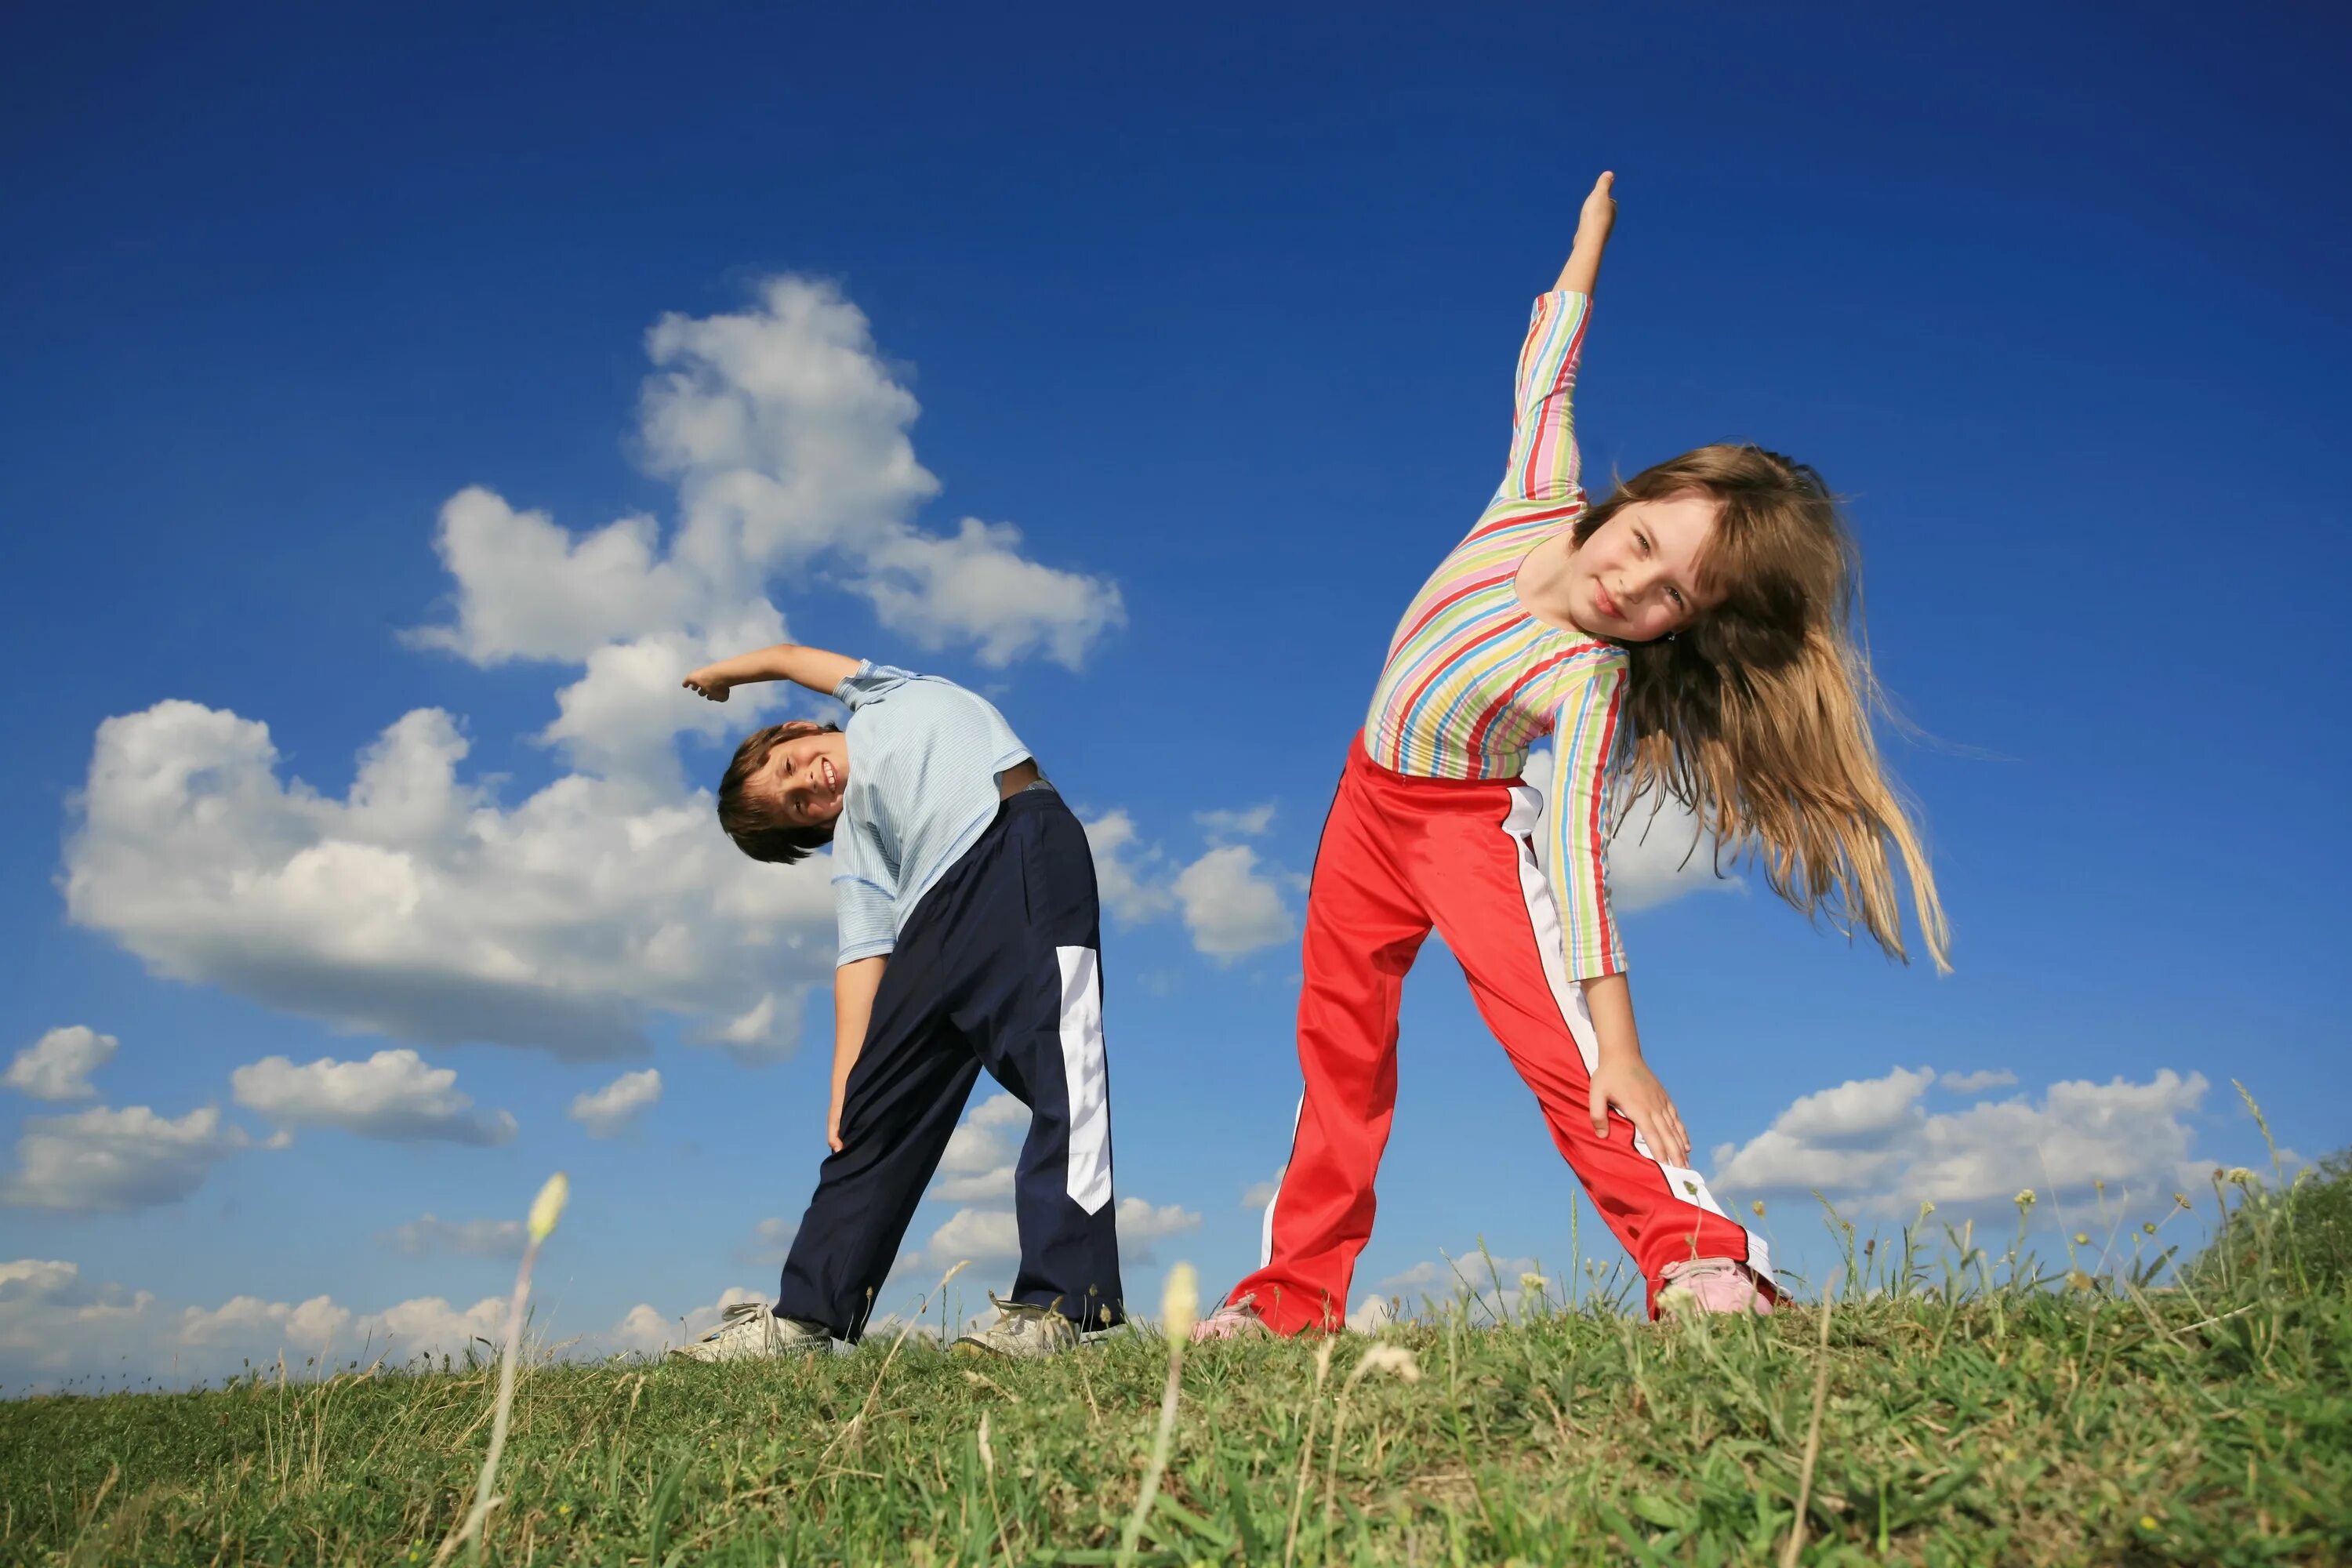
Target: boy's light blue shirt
924	755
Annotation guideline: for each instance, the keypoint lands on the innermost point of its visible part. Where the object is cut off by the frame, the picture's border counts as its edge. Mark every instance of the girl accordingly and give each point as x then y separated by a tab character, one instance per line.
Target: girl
1703	609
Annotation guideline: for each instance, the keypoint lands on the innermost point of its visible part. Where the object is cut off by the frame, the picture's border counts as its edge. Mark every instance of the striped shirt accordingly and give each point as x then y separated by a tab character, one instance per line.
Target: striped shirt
924	756
1473	680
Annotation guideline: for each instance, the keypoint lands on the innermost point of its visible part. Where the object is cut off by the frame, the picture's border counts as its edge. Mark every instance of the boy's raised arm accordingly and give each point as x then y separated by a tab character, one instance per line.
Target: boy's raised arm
811	666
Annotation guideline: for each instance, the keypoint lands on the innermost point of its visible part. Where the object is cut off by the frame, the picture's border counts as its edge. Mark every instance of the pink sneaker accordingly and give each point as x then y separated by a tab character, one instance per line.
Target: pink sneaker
1710	1285
1231	1320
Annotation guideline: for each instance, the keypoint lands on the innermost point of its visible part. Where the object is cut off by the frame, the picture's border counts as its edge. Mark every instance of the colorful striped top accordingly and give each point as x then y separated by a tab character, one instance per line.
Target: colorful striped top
1473	681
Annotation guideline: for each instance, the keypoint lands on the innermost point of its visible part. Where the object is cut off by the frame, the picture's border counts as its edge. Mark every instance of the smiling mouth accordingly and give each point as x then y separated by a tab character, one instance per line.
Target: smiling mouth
1608	606
828	774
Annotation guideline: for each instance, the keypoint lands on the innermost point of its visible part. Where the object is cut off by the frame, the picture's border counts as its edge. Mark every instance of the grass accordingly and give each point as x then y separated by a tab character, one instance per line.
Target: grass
1959	1409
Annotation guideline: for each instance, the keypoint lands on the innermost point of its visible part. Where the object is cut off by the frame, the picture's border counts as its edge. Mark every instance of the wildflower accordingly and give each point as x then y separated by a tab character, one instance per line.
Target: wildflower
2180	1200
2082	1239
1179	1302
2100	1183
2240	1176
1388	1357
2148	1225
2025	1199
1532	1283
2077	1280
1926	1208
1759	1206
547	1207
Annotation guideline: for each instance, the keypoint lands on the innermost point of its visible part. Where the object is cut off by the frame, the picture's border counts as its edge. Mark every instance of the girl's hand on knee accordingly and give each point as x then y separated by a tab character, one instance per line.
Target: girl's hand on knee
1628	1084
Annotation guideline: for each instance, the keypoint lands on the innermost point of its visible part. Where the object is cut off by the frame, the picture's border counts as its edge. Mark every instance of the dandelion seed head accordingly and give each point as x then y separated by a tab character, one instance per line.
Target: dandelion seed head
1180	1302
547	1207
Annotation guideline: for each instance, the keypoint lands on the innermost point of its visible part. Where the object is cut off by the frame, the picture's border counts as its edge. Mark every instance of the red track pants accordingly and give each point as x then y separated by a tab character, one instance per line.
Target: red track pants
1400	855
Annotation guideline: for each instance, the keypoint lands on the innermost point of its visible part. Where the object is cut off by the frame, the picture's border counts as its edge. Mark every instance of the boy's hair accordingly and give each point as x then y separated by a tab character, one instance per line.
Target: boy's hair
1757	714
748	820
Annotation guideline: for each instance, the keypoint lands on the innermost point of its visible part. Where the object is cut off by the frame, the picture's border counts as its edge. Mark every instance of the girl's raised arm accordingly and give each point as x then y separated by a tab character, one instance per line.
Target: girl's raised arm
811	666
1592	225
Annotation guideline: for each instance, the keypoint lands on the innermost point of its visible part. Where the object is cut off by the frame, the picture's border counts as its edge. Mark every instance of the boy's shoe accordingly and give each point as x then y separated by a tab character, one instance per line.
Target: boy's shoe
1710	1285
1232	1321
1023	1331
748	1331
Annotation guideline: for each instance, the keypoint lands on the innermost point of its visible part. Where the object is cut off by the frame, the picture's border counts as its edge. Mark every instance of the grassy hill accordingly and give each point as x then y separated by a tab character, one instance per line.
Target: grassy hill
1969	1413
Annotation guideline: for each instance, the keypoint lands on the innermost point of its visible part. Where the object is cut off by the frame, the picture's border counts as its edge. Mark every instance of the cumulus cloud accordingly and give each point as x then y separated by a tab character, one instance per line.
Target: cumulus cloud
1657	850
1249	824
1257	1194
107	1161
1140	1225
54	1324
1229	907
608	1111
418	907
1127	870
58	1066
1976	1082
423	907
1870	1145
391	1095
978	1164
466	1239
770	1240
1503	1287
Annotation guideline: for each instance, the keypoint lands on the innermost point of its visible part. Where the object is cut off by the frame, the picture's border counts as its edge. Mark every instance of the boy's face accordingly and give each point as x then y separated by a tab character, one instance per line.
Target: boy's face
803	778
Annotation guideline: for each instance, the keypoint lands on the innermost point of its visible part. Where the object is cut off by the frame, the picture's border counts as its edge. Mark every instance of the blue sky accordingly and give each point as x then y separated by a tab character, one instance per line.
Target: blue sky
1219	316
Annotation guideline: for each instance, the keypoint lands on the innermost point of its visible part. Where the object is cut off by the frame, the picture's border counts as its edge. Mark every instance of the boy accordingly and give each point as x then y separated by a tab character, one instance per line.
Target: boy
970	937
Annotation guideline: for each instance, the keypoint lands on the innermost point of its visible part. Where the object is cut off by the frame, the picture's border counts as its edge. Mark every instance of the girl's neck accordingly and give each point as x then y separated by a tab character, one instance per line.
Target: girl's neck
1541	585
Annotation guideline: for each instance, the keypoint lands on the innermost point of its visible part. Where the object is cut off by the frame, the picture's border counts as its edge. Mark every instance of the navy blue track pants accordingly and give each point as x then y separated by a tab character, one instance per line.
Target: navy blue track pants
997	968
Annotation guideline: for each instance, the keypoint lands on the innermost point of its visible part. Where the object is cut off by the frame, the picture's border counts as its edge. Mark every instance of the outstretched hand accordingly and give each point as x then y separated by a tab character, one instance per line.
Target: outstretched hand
1628	1084
1600	209
706	683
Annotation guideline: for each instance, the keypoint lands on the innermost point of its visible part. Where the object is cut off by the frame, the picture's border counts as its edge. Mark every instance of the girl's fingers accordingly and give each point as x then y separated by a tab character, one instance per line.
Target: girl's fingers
1596	1105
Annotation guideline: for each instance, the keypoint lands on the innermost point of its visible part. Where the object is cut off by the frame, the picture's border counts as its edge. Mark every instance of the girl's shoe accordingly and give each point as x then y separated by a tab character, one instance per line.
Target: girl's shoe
1023	1331
749	1330
1710	1285
1231	1321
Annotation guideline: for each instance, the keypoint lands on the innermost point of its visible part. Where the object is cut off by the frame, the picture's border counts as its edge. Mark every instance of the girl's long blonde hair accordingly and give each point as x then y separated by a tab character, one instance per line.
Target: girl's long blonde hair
1757	714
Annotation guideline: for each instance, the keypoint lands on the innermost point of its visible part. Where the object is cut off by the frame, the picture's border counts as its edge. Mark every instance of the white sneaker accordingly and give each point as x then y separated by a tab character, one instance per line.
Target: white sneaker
1023	1331
748	1331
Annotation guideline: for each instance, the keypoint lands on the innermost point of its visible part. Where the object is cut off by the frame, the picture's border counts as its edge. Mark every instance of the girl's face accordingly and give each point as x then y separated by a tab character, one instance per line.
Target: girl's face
1637	578
804	777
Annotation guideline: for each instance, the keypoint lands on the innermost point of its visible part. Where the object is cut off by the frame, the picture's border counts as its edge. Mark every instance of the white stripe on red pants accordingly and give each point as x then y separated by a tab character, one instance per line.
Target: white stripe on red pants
1399	855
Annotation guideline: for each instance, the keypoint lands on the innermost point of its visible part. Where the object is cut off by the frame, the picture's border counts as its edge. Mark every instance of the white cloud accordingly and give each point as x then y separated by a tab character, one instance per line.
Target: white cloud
419	907
1126	870
392	1094
1249	824
771	1239
1871	1146
609	1111
1657	850
1229	908
1504	1286
1257	1194
58	1066
246	1320
1975	1082
55	1325
983	1236
470	1237
1140	1225
978	1164
103	1159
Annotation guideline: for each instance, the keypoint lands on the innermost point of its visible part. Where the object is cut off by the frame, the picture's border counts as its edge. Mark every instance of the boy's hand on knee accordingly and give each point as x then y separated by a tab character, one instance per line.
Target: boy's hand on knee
1628	1084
